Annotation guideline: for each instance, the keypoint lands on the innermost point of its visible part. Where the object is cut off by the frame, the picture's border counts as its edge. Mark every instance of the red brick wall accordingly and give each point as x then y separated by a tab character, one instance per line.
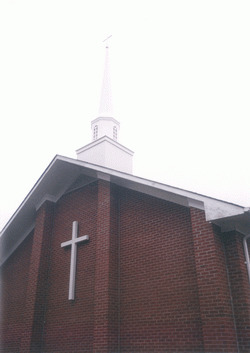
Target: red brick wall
14	278
113	313
36	293
240	288
69	324
89	323
106	278
159	298
52	323
218	325
171	293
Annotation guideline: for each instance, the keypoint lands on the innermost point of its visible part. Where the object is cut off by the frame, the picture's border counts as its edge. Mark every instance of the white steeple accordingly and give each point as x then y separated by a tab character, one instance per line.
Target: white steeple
104	149
106	104
105	124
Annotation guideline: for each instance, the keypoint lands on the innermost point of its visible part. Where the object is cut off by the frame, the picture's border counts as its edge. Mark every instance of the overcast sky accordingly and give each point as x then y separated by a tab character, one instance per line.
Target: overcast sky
181	89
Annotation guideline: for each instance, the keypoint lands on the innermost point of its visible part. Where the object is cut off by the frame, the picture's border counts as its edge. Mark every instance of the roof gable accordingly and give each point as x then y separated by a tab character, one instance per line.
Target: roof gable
65	174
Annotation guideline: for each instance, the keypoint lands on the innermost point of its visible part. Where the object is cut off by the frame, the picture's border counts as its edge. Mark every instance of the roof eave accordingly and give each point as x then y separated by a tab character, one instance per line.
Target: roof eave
61	173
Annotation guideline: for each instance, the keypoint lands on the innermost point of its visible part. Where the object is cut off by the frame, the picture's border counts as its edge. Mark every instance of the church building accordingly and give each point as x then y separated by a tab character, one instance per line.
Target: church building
98	260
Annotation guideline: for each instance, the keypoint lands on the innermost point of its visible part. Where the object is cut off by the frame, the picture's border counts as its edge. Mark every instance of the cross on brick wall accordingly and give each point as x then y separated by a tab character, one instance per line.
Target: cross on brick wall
73	243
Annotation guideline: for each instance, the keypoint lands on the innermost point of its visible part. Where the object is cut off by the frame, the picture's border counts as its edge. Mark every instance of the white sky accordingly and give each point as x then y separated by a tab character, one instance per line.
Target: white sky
181	88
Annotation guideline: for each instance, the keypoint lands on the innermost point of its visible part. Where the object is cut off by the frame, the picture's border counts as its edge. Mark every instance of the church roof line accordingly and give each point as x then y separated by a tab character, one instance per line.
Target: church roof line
62	172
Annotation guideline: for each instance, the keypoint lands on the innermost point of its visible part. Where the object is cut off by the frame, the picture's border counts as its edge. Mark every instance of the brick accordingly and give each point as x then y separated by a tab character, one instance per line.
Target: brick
154	277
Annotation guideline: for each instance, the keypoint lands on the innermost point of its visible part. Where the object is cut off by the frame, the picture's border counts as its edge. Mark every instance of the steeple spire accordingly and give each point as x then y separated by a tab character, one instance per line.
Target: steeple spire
105	124
106	104
105	150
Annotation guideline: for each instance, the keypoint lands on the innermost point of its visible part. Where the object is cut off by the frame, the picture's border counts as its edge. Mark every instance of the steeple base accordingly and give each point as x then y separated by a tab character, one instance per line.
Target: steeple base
107	153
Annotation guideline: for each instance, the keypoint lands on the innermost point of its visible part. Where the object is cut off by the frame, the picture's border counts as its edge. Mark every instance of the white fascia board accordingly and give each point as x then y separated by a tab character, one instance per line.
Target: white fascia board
5	255
58	176
39	193
214	208
35	187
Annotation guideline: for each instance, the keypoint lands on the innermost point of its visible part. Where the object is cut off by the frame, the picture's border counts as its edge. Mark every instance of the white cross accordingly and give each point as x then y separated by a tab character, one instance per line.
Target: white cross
107	40
73	242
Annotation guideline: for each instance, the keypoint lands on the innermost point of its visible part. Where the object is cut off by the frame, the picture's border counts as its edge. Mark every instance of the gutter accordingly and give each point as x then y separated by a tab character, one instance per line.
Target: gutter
247	262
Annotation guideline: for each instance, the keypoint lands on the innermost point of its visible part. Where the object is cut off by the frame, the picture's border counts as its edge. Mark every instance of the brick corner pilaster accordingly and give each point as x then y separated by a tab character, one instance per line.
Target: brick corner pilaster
105	296
218	328
37	282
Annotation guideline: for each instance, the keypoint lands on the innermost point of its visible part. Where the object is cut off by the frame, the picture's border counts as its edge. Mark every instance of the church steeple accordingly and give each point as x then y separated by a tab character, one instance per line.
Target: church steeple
105	124
106	103
105	150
